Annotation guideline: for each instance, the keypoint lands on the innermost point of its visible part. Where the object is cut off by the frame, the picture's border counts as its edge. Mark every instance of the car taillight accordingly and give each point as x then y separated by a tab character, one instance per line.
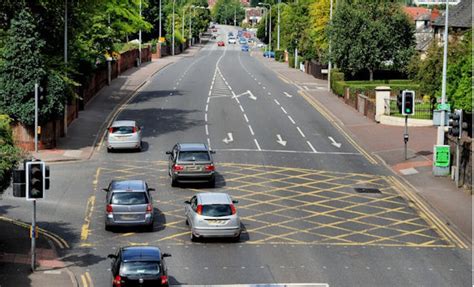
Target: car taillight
109	209
117	281
199	209
232	207
177	167
164	279
149	208
134	130
111	130
210	167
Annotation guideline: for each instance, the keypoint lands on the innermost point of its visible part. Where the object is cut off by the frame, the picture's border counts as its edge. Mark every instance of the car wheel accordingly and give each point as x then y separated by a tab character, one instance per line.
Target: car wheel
193	237
174	182
187	222
108	228
109	150
237	238
150	228
212	183
140	147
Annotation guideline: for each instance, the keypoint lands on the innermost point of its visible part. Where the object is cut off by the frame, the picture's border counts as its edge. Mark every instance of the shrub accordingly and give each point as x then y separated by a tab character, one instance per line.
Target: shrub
9	154
280	55
337	76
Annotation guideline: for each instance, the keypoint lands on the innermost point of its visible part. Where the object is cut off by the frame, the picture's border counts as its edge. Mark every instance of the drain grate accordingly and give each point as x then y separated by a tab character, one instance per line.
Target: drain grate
367	190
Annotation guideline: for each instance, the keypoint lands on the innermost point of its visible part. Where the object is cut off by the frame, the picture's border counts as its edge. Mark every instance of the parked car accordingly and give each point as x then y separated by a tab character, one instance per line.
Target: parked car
220	44
243	41
245	48
269	54
124	134
231	40
139	266
128	203
212	214
191	162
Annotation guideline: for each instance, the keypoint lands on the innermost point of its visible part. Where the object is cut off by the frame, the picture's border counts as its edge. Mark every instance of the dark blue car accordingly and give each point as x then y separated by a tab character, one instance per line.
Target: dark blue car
269	54
245	48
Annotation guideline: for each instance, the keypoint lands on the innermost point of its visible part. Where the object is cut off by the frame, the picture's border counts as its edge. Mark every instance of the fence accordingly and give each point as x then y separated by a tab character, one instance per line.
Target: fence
316	69
423	110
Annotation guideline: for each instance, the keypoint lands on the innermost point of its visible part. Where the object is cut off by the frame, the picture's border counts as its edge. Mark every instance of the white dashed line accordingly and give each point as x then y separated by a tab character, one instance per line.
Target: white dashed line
269	93
256	143
311	146
207	130
246	119
251	130
283	109
241	108
205	117
259	83
264	87
276	101
207	108
209	142
209	94
302	134
208	99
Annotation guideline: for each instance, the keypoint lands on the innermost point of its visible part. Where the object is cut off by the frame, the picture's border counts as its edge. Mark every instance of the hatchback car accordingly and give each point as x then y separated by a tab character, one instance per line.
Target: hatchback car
269	54
220	44
128	203
231	40
191	162
124	135
245	48
212	214
139	266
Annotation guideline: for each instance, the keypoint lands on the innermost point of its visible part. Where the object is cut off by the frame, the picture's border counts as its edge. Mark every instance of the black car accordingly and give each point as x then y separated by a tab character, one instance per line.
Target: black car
191	162
139	266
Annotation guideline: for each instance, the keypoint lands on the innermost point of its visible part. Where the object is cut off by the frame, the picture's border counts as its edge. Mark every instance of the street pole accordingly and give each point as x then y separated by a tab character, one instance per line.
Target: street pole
172	40
65	64
182	25
235	16
159	33
330	50
270	41
190	26
36	116
140	38
278	29
33	237
405	137
440	137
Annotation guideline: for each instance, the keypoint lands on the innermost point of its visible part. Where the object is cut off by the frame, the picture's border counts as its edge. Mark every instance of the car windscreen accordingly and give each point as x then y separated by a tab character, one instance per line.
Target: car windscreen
140	268
194	156
123	130
216	210
129	198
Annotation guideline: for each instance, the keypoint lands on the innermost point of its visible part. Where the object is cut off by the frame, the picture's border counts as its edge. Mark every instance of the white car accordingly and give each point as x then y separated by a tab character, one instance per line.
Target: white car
232	40
260	45
124	135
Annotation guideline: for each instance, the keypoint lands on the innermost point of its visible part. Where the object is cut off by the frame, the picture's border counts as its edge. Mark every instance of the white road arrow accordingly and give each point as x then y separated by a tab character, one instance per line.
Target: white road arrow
228	139
252	96
334	143
281	141
288	95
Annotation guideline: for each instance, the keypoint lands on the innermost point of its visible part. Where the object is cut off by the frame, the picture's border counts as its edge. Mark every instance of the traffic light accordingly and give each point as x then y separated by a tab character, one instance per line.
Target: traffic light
35	179
456	124
408	103
399	102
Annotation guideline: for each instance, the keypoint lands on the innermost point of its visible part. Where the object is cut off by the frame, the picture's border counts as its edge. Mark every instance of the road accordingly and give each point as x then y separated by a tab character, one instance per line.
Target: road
315	207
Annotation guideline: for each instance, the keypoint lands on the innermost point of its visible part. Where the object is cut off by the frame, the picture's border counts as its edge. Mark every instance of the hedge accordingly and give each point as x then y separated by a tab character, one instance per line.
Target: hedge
367	86
9	154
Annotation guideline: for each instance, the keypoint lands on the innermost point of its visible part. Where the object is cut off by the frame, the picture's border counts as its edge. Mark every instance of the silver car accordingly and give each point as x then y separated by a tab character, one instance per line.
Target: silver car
212	214
124	135
128	203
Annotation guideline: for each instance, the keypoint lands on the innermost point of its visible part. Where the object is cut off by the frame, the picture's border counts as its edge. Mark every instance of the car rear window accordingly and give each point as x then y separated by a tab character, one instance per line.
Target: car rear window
216	210
194	156
129	198
123	130
140	268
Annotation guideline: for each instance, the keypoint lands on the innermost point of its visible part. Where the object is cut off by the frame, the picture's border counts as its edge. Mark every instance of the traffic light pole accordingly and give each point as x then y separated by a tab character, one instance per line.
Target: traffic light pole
33	238
456	176
36	116
405	137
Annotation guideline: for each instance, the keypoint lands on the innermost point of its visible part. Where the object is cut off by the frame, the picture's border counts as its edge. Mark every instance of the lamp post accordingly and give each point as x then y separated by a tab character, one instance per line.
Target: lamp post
182	25
159	32
330	48
172	38
270	28
140	39
278	28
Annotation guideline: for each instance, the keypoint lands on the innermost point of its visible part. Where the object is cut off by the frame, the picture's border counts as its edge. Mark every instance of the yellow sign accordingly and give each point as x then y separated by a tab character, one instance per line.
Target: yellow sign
35	233
162	40
38	130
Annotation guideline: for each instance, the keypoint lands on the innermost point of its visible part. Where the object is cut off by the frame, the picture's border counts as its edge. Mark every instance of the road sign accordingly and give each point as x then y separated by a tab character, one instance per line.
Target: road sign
442	155
445	107
33	232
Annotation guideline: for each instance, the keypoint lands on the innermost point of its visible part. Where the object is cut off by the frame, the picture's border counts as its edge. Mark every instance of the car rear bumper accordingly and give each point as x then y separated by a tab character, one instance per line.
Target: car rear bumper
194	177
123	144
109	221
216	232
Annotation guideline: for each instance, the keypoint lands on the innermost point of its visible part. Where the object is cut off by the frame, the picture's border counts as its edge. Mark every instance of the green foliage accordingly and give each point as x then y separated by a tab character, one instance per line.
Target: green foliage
280	55
339	86
223	12
371	35
319	19
336	76
9	154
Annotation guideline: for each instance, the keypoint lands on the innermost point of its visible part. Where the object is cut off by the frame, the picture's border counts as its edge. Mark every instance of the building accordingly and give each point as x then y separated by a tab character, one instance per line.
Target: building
435	2
459	19
253	15
423	19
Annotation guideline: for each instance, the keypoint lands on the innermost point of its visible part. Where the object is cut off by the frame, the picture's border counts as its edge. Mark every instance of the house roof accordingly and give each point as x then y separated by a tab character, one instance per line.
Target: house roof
416	12
460	16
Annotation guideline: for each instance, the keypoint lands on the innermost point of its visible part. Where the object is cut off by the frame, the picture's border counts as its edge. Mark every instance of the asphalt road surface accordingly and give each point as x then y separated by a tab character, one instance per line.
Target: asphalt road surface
297	178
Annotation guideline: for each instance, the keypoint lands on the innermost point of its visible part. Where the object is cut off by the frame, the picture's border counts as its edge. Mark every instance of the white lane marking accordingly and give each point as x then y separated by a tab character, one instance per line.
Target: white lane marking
229	138
291	151
210	92
291	119
301	132
174	88
241	108
251	130
207	130
276	101
269	93
252	96
256	143
288	95
259	83
334	143
246	119
283	109
208	99
264	87
280	140
205	117
209	142
311	146
207	107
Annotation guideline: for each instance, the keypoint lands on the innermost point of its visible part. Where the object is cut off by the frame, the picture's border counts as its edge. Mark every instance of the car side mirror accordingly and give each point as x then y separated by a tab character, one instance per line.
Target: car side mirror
112	256
168	152
151	189
166	255
187	202
105	189
235	201
213	152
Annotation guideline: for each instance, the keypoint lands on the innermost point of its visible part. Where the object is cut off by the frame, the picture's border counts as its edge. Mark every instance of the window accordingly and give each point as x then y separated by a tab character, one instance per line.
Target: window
216	210
129	198
123	130
140	268
194	156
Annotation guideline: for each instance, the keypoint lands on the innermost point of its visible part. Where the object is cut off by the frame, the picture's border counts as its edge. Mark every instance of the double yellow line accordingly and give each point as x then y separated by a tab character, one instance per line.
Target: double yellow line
86	280
60	242
85	230
445	233
334	121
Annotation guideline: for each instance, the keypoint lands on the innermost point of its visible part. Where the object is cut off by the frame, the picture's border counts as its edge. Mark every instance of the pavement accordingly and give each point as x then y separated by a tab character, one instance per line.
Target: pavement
82	138
453	205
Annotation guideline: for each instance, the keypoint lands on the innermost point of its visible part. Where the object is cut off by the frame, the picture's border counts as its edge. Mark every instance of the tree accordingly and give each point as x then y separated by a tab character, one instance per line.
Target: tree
371	35
9	154
319	20
22	65
224	11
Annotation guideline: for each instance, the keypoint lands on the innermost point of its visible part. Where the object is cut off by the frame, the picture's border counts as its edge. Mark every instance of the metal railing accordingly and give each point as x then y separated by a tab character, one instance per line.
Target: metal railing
423	110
